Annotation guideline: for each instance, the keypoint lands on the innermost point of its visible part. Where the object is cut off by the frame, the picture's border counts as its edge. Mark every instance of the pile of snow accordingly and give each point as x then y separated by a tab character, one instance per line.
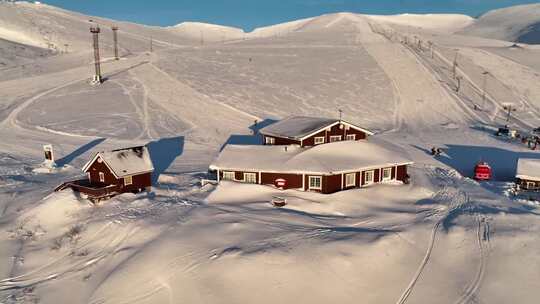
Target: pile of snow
437	22
517	23
332	158
528	169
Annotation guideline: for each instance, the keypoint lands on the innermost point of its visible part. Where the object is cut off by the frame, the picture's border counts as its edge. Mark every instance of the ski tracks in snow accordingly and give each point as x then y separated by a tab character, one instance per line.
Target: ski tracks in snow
456	199
72	263
483	248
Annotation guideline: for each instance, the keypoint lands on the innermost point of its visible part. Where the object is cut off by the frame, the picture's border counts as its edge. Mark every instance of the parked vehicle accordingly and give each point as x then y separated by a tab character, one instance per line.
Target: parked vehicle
482	171
507	132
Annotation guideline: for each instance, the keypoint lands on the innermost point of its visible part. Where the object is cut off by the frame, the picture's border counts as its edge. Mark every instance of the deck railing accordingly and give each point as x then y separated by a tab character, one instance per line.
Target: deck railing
93	191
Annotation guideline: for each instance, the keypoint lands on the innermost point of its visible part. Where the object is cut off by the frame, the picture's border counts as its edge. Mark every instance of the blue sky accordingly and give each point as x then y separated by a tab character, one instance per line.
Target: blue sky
248	14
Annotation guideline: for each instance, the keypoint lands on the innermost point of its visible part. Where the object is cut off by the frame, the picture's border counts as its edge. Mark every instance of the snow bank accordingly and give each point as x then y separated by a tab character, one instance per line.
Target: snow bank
331	158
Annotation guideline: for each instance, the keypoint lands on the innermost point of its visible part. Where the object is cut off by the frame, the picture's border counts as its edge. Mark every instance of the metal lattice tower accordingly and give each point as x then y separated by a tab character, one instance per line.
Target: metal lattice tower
115	37
95	34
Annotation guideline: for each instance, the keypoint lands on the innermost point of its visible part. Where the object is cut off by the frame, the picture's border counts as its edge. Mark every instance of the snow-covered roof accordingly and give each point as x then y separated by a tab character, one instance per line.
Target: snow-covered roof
528	169
300	127
124	162
327	159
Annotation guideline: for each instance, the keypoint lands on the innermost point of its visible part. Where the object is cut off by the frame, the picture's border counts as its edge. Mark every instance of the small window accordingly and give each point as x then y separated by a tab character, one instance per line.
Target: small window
270	140
350	180
250	178
351	136
315	182
387	174
368	177
227	175
128	180
531	185
335	138
319	140
102	177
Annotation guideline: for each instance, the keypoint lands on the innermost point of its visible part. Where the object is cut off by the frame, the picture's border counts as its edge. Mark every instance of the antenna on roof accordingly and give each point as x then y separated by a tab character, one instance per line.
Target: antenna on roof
340	114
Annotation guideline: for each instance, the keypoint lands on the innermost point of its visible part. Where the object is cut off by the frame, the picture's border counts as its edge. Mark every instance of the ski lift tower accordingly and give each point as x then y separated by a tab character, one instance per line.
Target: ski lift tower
115	38
95	34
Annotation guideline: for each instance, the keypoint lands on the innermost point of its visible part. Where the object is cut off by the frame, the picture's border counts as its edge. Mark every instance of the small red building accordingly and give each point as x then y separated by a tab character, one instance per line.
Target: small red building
311	131
114	172
324	168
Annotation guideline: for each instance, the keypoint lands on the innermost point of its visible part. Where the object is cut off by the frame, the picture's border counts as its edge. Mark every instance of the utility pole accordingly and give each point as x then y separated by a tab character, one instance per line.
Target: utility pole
455	65
95	34
509	108
340	114
115	38
484	84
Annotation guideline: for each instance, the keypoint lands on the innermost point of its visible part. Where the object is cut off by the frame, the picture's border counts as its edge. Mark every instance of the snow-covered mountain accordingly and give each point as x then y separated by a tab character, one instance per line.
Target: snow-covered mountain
517	23
443	238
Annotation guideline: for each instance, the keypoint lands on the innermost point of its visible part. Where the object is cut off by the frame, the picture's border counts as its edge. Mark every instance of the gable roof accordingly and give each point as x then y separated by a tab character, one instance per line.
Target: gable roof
124	162
301	127
327	159
528	169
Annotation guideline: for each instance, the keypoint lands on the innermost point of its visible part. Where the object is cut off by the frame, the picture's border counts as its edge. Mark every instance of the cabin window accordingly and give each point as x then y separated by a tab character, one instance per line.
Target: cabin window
369	177
315	182
387	174
102	177
128	180
351	136
350	180
227	175
335	138
531	185
250	178
319	140
270	140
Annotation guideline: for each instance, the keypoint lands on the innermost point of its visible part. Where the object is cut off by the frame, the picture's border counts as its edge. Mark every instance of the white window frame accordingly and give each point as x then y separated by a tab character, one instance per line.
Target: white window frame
372	181
351	137
389	178
319	140
269	140
314	178
128	180
228	173
350	183
253	179
334	137
101	177
531	185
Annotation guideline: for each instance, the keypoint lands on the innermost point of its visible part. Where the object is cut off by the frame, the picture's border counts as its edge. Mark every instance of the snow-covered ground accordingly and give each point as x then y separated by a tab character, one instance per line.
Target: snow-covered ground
444	238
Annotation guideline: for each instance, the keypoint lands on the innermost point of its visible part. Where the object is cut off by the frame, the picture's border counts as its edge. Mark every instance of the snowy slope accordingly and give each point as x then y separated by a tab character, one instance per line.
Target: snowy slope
208	32
518	23
437	22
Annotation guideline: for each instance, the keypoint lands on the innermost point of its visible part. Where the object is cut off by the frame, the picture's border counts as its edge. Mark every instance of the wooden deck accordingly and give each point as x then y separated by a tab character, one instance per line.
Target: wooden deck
95	192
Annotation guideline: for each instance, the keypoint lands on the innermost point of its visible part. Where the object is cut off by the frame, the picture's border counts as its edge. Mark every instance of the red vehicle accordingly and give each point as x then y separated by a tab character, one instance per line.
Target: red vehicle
482	171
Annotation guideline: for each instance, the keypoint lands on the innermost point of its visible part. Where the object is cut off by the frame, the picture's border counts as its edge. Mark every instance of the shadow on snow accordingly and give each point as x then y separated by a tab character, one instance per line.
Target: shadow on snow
254	139
81	150
163	152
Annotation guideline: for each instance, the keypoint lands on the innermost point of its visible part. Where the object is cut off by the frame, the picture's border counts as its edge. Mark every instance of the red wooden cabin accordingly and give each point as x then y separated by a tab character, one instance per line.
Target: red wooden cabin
114	172
324	168
311	131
